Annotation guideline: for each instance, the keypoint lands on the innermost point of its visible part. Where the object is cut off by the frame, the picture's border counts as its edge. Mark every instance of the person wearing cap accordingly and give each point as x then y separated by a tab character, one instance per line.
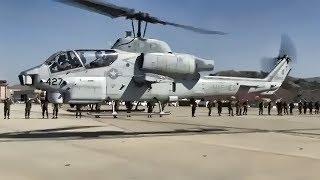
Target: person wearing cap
245	107
261	108
291	107
193	107
44	107
300	107
7	103
28	108
269	107
55	110
209	106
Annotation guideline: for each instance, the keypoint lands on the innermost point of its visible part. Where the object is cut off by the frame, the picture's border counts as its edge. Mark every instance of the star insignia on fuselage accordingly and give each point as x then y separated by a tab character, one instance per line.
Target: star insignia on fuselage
113	73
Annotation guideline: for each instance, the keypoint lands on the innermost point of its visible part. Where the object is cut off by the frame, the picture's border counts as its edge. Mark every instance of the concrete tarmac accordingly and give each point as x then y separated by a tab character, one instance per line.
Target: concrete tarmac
172	147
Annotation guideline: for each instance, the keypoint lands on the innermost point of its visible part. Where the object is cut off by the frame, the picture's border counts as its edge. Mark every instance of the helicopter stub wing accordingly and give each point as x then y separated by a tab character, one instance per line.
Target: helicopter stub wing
150	78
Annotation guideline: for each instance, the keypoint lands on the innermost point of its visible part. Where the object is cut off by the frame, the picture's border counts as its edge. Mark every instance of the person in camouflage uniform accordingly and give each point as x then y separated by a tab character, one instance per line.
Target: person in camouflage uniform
7	103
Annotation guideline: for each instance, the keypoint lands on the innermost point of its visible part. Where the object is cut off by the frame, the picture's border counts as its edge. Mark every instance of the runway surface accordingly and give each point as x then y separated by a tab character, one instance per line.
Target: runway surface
171	147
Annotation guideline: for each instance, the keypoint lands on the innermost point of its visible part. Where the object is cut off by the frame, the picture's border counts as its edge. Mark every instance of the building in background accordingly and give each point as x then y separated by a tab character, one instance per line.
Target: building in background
20	93
3	89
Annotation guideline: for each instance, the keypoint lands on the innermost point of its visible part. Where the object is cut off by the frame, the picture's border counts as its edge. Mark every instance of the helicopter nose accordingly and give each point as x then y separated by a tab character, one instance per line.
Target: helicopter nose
28	77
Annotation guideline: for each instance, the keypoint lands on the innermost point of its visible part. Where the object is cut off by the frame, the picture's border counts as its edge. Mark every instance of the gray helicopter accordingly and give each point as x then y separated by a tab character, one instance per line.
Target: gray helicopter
140	69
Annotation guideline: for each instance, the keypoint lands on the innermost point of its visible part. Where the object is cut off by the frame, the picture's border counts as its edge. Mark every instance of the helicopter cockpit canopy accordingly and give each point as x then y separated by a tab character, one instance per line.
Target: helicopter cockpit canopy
62	61
97	58
66	60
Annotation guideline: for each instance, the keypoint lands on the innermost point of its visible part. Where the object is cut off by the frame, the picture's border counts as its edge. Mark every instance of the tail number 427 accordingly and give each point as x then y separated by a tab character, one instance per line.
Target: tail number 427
54	81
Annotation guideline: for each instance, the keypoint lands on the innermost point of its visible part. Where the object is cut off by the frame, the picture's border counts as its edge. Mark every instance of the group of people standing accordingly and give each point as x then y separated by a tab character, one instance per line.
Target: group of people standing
44	108
28	105
241	108
284	108
303	107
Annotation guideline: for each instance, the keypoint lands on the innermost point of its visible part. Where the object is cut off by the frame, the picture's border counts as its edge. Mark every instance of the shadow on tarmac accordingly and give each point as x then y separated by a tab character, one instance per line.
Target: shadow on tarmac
52	133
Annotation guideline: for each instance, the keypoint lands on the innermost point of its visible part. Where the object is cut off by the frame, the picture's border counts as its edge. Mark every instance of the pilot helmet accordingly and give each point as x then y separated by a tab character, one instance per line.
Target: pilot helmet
99	54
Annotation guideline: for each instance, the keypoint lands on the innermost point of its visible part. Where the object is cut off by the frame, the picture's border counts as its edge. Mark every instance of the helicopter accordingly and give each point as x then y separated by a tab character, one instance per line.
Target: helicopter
142	69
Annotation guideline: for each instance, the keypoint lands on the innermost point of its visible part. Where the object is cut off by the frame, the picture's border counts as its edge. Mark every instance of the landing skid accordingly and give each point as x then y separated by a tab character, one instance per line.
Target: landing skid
125	114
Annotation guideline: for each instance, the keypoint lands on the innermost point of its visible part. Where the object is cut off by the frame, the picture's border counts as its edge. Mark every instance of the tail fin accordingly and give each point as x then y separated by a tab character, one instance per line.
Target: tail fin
287	55
280	72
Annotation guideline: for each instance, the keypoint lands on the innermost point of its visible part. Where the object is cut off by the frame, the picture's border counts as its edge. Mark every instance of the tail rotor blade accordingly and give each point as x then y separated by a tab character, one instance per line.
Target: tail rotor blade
268	64
287	48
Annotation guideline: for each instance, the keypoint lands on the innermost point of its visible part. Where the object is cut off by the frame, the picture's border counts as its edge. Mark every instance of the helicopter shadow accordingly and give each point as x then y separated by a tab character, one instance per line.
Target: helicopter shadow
46	134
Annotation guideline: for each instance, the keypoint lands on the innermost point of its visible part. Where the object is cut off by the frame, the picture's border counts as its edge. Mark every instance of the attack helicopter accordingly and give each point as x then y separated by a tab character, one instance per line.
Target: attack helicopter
142	69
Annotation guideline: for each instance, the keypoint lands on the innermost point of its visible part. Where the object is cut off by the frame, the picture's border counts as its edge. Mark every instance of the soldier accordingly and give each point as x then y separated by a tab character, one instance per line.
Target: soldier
6	106
219	107
150	109
291	107
245	107
305	107
240	108
98	107
269	107
285	108
261	108
310	106
300	107
237	104
55	110
44	107
230	109
129	107
116	105
209	106
316	107
78	110
193	107
278	107
28	108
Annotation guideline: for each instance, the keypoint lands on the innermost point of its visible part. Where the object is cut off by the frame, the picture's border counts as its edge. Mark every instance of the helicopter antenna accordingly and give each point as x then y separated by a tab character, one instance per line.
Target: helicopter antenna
114	11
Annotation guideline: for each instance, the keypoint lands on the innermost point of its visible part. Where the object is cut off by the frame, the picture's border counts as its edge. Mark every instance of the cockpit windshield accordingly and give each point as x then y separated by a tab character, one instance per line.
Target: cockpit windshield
63	61
97	58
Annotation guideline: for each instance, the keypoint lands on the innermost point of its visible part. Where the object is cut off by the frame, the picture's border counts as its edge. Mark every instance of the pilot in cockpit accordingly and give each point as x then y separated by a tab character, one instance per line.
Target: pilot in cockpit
75	63
98	62
63	63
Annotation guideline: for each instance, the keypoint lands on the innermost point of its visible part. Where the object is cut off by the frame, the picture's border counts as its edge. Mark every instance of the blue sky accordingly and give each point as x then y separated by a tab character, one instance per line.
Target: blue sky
30	31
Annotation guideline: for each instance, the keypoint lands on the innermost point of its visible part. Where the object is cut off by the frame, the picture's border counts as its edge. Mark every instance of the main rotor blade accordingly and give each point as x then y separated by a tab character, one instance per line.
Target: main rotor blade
114	11
287	48
103	8
195	29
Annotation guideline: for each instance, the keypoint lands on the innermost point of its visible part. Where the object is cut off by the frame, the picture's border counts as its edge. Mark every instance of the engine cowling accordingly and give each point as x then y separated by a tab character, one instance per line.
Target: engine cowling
175	64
